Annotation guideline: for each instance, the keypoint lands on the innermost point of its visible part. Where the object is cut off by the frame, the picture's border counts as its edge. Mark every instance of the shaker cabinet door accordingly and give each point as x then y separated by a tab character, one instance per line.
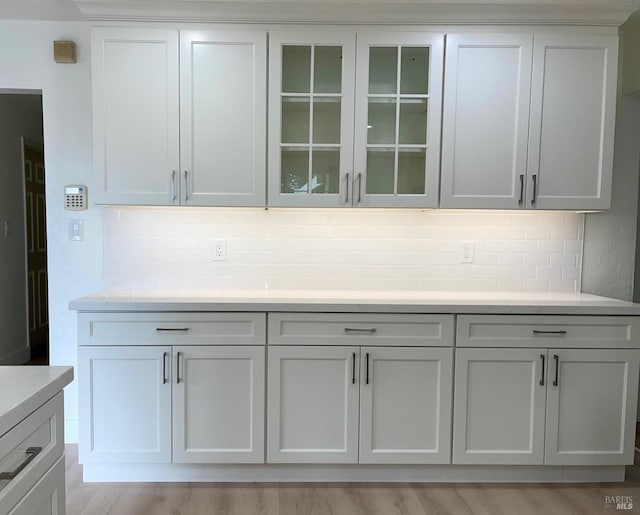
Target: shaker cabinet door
572	122
125	402
223	88
486	120
218	404
313	404
591	406
135	116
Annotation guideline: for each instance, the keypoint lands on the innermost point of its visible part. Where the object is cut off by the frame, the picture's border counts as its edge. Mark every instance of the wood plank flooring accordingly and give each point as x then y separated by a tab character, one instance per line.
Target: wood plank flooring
342	499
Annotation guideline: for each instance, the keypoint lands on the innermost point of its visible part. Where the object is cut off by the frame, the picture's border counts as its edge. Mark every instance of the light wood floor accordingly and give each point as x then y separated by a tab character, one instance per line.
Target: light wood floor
341	499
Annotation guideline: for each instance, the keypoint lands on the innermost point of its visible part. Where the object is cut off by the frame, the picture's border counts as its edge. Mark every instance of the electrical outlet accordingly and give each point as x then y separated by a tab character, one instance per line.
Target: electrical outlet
466	252
219	250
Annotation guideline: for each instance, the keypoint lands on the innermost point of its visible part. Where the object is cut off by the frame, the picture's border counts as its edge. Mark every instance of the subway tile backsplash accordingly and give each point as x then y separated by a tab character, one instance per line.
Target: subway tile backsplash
159	248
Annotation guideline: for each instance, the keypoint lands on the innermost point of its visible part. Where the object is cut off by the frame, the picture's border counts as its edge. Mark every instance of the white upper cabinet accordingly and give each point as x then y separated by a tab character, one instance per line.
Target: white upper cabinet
388	157
135	116
179	129
508	145
311	118
486	120
222	118
572	122
398	112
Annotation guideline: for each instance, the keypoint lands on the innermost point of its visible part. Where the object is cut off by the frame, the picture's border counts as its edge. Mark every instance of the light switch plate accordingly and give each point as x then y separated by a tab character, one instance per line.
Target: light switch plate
76	230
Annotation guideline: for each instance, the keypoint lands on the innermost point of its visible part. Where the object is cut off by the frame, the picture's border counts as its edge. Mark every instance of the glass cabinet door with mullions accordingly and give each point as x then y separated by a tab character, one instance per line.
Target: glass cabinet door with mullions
311	119
397	120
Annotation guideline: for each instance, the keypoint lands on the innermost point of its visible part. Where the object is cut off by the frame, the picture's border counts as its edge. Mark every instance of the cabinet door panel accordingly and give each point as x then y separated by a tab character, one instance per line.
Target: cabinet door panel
405	405
125	399
311	78
135	115
499	407
572	121
218	405
397	127
591	413
223	117
313	405
485	120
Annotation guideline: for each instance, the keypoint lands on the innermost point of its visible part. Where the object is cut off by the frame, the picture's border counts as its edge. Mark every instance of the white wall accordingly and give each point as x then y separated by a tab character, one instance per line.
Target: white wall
342	249
20	115
75	268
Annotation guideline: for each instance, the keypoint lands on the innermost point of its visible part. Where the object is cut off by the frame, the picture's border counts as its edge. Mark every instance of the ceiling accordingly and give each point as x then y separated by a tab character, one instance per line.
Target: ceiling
40	10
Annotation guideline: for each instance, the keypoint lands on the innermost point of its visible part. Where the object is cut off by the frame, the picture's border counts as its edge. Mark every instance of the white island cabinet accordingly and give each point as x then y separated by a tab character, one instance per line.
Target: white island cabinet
279	386
32	471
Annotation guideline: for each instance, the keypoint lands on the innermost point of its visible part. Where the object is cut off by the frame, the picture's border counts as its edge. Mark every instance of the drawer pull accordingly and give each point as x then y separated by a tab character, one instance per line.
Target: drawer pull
370	330
536	331
31	453
542	375
172	329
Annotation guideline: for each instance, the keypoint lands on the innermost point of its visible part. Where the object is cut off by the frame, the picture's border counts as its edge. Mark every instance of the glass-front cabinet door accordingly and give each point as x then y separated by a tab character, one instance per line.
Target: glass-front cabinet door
397	119
311	84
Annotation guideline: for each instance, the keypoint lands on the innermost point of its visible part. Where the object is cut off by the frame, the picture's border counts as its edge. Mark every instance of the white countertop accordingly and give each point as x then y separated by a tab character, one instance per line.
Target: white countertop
23	389
354	301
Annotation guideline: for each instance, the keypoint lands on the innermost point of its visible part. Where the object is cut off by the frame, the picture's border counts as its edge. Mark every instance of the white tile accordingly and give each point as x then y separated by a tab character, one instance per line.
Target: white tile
536	259
563	260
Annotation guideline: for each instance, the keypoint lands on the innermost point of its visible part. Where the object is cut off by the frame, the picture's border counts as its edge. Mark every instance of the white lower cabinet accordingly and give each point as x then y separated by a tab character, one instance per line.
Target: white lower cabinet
216	414
218	405
47	497
403	396
503	396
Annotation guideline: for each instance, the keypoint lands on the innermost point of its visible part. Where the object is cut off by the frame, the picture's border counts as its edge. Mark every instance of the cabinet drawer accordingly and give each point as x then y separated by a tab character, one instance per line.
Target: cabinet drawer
171	328
47	496
29	449
547	331
360	329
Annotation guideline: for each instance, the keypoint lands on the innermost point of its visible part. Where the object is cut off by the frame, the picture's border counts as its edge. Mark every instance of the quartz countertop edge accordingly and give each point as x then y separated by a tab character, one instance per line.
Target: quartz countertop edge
23	389
335	301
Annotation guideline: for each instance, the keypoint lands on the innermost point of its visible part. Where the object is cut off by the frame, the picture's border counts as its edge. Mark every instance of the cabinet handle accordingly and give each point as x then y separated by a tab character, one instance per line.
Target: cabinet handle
521	200
542	375
359	187
178	367
31	453
164	367
346	197
369	330
536	331
186	185
367	375
557	360
171	329
534	178
173	185
353	370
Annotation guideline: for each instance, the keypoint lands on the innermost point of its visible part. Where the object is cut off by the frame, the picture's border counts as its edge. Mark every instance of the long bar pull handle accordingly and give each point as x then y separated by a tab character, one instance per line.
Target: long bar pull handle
172	329
534	178
521	200
31	453
557	360
353	369
186	185
173	185
369	330
178	367
165	355
359	187
542	375
367	374
537	331
346	197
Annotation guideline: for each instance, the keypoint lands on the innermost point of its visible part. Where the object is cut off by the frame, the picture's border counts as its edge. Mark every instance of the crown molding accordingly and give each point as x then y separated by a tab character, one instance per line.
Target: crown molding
546	12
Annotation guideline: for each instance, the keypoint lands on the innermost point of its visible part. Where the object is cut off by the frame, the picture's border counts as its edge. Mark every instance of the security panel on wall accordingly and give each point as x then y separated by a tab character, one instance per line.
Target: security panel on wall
75	197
